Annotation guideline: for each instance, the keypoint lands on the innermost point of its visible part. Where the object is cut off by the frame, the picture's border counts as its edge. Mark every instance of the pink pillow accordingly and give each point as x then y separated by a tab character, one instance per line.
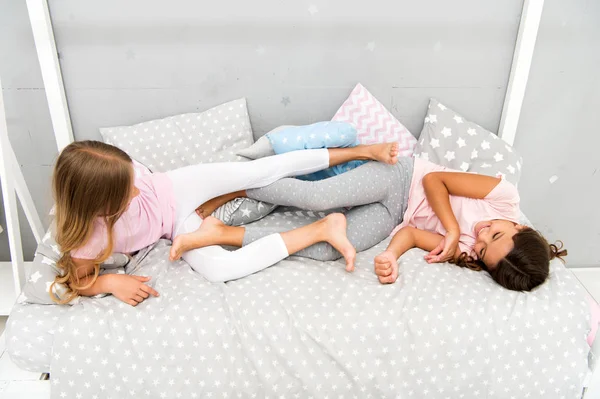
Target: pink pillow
373	122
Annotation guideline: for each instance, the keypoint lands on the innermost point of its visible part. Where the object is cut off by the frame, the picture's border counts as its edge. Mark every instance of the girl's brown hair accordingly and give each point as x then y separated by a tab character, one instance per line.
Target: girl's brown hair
525	267
91	180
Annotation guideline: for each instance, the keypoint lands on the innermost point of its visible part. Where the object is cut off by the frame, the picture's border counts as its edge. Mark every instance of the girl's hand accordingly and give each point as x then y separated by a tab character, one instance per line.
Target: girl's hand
446	248
131	289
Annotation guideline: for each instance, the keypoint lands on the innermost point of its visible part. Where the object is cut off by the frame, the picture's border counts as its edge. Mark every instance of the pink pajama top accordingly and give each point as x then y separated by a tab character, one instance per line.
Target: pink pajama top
501	203
148	218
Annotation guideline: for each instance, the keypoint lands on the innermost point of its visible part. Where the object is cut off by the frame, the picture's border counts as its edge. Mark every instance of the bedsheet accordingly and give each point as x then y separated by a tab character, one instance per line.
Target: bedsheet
29	334
304	328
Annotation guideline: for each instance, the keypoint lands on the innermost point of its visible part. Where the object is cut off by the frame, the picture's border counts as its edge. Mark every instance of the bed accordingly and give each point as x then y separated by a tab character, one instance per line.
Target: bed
304	328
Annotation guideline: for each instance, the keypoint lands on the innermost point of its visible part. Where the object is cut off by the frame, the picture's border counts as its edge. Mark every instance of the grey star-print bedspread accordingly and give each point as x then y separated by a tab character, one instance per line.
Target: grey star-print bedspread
308	329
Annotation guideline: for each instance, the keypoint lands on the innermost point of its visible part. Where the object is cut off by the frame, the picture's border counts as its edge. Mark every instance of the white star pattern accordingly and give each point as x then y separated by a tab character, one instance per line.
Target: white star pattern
498	157
485	145
464	166
449	155
460	142
446	132
430	119
230	359
35	276
474	154
434	143
458	119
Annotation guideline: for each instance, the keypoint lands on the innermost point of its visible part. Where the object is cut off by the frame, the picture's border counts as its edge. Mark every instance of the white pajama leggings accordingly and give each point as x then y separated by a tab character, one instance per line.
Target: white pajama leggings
194	185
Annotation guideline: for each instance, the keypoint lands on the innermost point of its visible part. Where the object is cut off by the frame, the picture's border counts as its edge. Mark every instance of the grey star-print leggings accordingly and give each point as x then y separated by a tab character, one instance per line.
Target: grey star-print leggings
378	193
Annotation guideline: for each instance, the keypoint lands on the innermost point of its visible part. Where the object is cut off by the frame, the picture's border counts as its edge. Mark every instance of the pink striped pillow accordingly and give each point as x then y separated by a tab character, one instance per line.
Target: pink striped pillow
373	122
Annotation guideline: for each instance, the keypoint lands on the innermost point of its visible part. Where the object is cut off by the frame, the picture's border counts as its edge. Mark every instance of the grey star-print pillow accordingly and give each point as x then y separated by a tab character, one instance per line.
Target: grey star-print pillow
450	140
215	135
242	211
165	144
44	270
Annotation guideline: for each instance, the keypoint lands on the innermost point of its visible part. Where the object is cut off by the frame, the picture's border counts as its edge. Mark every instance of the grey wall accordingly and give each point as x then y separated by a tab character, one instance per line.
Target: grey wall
126	62
558	131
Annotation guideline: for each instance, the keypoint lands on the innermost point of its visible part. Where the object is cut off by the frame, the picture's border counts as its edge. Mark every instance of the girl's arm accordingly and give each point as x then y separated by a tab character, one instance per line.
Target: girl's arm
386	264
128	288
410	237
438	188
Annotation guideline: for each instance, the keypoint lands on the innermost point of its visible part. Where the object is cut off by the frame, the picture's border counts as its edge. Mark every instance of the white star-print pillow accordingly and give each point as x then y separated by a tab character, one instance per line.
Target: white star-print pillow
450	140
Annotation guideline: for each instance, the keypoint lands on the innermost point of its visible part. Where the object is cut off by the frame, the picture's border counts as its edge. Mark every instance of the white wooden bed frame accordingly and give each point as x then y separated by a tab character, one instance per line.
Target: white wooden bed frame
13	181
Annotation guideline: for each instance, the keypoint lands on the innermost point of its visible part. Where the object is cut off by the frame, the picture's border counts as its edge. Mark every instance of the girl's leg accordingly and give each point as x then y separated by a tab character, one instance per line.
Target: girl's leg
368	225
219	265
196	184
366	184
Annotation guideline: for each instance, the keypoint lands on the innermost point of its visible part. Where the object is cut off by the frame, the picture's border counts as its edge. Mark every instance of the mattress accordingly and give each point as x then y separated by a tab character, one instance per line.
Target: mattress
305	328
29	333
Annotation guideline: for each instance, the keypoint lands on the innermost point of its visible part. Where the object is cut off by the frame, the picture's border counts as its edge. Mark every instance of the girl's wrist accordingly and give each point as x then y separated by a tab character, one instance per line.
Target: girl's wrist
106	283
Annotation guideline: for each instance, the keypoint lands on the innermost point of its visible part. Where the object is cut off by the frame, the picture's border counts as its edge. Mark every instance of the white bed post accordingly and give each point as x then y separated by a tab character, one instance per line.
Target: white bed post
519	72
41	24
10	202
11	176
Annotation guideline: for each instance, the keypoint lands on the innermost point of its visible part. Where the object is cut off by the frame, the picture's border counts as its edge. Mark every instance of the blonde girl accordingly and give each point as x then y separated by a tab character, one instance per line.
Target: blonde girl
103	207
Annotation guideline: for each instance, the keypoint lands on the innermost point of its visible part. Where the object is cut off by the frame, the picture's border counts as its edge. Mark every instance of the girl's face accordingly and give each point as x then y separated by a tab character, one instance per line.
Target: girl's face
494	240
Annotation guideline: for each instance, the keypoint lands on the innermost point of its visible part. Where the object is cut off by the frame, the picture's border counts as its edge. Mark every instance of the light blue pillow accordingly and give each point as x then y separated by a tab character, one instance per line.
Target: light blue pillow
318	135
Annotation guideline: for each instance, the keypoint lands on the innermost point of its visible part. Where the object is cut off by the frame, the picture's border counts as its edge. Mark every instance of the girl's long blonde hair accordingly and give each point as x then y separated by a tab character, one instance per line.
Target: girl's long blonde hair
91	180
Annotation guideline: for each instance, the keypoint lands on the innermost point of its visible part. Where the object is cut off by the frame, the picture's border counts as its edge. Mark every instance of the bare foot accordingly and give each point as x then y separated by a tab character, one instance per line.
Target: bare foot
335	234
205	235
385	152
206	209
386	267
